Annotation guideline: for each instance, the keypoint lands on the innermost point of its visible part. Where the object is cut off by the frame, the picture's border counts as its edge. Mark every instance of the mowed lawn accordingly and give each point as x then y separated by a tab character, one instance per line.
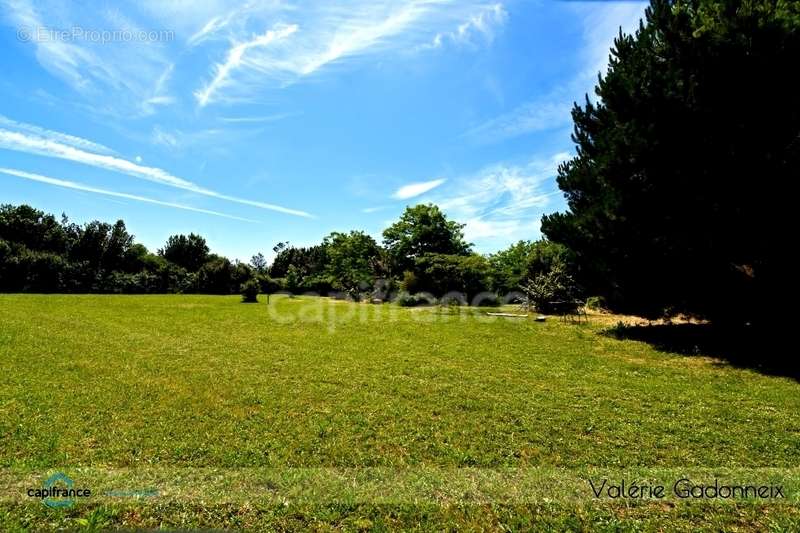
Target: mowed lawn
126	386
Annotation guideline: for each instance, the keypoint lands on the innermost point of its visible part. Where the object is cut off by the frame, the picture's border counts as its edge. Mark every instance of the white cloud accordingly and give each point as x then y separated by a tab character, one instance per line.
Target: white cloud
483	23
219	139
213	25
601	25
502	202
64	138
477	229
164	138
547	113
321	34
22	142
87	188
253	44
157	96
415	189
375	209
236	58
127	75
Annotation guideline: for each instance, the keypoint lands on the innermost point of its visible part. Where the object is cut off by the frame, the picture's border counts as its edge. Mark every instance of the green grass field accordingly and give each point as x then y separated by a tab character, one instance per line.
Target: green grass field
200	411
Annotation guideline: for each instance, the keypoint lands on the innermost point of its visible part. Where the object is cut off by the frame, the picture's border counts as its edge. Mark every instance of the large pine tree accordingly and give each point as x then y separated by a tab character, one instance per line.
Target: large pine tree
678	198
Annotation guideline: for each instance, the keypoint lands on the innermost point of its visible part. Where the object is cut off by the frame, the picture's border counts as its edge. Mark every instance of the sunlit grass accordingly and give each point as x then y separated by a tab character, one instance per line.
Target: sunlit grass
148	382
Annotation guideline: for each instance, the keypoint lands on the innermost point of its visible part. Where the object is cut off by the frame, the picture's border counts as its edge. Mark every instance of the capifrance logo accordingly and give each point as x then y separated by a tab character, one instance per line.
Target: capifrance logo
59	491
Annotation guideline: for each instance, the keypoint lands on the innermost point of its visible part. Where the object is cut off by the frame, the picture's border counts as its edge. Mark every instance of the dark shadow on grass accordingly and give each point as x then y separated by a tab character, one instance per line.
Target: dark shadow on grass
745	347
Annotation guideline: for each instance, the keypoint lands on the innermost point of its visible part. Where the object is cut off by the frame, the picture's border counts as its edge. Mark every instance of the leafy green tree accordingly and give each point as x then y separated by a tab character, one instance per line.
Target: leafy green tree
268	285
137	258
523	260
118	243
352	260
259	263
308	261
216	276
31	271
32	228
293	280
409	282
189	252
5	250
546	288
676	197
100	245
249	290
422	229
439	274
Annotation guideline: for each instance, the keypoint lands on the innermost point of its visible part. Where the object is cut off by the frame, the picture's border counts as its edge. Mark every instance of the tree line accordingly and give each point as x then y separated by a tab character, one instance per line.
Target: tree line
422	257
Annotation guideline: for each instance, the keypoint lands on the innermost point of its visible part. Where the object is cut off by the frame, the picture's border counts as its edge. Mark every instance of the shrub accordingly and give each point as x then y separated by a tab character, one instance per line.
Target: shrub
216	277
269	285
249	290
382	289
316	283
32	271
293	279
554	285
440	274
597	303
525	260
409	283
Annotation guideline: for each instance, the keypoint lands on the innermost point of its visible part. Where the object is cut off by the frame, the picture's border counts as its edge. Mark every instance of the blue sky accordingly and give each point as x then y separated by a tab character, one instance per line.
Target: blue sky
257	122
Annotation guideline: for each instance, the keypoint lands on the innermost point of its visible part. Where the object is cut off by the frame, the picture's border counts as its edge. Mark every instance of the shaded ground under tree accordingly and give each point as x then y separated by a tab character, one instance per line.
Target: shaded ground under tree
764	350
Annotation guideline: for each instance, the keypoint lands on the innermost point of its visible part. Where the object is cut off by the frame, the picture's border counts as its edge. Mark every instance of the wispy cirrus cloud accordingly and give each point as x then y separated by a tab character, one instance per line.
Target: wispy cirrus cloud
502	202
375	209
35	144
87	188
157	96
236	59
57	136
218	22
301	42
135	71
483	22
543	114
551	110
416	189
178	138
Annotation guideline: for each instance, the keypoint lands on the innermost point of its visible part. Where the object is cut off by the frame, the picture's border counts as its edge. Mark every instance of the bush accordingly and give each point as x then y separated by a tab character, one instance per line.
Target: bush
440	274
596	303
409	283
293	279
382	289
316	283
216	277
269	285
31	271
555	285
249	290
